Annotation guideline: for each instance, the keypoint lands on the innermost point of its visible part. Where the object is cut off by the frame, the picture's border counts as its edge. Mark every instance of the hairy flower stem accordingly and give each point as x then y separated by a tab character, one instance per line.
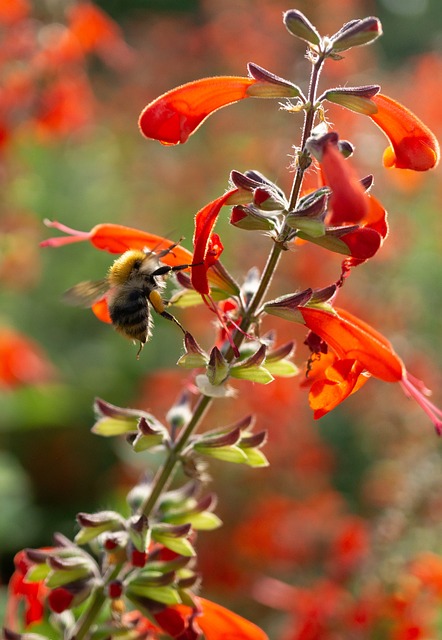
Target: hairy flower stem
89	615
166	472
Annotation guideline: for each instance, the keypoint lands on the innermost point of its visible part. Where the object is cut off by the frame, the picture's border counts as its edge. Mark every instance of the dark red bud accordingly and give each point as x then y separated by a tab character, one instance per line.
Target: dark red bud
138	558
115	589
60	599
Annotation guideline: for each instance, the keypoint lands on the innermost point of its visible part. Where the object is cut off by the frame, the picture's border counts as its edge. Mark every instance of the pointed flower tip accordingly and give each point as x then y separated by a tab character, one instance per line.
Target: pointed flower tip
412	144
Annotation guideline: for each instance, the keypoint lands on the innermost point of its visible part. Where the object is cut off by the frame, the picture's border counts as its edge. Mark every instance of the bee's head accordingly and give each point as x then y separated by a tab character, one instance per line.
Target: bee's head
125	266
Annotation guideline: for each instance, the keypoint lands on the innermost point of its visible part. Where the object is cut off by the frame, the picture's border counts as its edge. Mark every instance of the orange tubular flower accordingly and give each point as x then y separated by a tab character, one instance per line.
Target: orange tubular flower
218	623
184	623
116	238
174	116
348	202
413	145
207	246
358	350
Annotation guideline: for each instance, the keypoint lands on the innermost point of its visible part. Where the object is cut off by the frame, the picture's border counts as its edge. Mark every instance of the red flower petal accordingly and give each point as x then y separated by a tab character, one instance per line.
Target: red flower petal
349	201
351	338
204	222
363	244
60	599
31	593
174	116
413	145
22	361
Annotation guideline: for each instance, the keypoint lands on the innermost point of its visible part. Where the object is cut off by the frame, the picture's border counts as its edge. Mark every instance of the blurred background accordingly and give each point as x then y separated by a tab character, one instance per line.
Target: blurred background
344	527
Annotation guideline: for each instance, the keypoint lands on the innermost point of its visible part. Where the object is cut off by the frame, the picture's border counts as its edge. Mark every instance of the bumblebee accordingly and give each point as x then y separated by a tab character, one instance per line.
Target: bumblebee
134	280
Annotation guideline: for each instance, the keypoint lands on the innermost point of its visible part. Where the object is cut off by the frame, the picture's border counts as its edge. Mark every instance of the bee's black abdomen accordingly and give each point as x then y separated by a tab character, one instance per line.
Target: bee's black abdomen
130	314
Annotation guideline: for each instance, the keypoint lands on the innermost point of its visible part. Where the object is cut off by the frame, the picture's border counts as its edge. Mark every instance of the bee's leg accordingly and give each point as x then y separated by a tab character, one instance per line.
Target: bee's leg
164	269
160	307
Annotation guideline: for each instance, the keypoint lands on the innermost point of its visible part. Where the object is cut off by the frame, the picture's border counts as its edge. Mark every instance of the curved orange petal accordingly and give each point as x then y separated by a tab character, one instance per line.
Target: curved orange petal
349	201
351	338
117	238
341	379
413	144
218	623
101	311
174	116
204	222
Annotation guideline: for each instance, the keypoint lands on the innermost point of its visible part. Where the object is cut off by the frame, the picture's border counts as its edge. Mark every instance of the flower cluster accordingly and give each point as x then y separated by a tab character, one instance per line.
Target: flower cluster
142	563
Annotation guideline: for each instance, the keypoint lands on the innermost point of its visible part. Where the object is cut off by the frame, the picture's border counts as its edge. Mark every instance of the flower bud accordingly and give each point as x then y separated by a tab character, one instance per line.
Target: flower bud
217	368
356	33
298	25
249	218
357	99
270	85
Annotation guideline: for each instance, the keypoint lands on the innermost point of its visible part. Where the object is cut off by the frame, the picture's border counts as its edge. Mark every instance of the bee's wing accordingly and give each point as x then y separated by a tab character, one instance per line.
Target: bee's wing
85	294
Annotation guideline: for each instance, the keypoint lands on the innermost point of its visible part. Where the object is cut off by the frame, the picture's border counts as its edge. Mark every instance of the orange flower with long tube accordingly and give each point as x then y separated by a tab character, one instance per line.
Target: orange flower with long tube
358	352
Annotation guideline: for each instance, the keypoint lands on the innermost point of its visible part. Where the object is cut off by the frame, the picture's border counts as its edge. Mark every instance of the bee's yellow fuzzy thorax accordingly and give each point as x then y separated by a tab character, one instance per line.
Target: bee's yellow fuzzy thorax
121	269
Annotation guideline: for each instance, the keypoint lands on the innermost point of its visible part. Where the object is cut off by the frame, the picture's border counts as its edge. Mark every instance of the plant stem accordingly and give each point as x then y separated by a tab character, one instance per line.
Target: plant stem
307	130
166	472
89	615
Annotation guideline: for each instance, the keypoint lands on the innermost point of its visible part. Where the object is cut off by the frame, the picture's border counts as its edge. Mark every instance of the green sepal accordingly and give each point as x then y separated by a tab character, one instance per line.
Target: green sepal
356	33
38	572
204	521
165	595
218	368
259	374
59	578
232	453
139	533
282	368
142	442
309	226
151	433
357	104
173	537
186	298
327	241
213	391
300	27
92	525
255	457
110	427
178	545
